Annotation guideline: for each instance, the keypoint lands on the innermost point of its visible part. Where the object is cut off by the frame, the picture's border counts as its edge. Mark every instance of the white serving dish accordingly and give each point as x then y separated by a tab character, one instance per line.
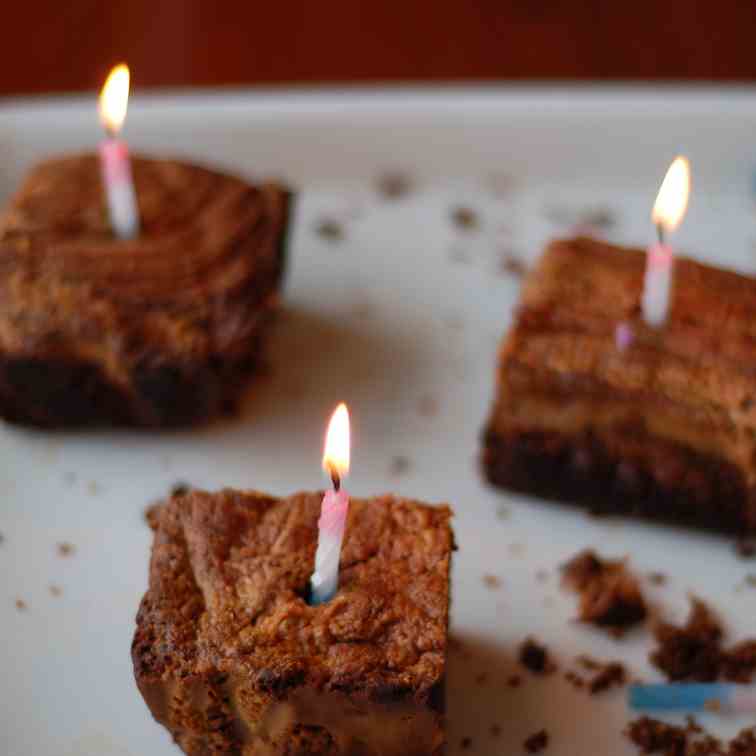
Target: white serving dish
405	314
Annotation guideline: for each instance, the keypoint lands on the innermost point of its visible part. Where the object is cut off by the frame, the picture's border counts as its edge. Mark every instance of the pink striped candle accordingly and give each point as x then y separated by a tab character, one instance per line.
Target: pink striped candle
669	210
114	156
333	511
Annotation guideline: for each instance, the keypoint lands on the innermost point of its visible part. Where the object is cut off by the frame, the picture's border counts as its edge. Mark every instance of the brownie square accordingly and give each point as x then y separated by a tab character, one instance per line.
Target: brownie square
161	330
231	658
664	428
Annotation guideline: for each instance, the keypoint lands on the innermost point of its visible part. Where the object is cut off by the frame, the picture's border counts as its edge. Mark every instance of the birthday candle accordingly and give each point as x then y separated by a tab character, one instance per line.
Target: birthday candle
668	212
114	155
693	697
333	512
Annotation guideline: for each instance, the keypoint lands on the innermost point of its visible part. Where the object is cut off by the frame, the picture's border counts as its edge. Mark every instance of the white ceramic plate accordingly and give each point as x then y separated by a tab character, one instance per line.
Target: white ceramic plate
401	319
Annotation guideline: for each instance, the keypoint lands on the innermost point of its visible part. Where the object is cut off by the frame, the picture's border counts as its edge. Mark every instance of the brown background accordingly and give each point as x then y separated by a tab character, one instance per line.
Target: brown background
58	46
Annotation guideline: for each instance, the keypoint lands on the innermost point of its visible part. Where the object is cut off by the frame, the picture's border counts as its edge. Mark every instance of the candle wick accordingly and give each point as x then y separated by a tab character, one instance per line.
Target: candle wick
336	480
660	233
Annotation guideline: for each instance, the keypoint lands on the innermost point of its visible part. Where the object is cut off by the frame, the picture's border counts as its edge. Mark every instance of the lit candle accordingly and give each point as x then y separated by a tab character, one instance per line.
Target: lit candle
333	510
668	212
114	155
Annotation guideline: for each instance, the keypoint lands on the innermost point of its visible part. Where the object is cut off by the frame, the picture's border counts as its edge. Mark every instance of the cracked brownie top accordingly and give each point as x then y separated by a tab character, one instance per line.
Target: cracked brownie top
228	584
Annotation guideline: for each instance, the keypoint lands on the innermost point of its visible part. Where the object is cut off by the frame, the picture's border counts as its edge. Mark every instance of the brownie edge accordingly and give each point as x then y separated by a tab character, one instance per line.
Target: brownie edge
230	658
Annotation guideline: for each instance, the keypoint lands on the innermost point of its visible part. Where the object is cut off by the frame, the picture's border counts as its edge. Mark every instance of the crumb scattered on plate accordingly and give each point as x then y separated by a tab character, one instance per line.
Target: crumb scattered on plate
511	266
657	578
427	405
400	464
394	185
609	593
536	742
55	590
465	218
20	604
330	229
180	488
534	656
66	549
492	581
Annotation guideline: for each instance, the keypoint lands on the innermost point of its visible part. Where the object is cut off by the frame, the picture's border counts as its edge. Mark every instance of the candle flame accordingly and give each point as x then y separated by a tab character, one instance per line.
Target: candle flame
114	99
672	200
336	453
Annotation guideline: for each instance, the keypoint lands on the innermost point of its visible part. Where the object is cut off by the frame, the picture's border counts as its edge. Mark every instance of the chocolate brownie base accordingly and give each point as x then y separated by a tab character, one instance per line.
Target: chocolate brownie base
664	428
162	330
673	485
231	658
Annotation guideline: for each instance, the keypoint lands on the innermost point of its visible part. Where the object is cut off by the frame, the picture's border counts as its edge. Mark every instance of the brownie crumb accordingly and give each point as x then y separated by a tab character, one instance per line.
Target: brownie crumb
611	675
399	465
394	185
510	265
180	488
653	736
536	742
330	230
56	590
610	595
427	406
492	581
20	604
465	743
657	578
535	658
743	743
66	549
745	548
465	218
693	651
514	681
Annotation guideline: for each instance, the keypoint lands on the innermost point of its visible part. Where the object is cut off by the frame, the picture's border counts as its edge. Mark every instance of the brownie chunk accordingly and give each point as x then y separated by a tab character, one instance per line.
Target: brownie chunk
695	651
610	595
231	658
161	330
661	424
